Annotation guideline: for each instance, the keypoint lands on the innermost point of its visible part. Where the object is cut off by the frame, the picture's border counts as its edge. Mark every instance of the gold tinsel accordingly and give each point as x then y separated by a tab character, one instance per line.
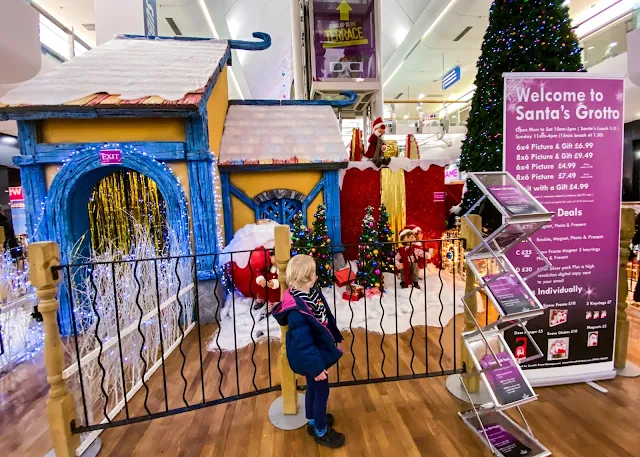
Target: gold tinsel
394	197
117	203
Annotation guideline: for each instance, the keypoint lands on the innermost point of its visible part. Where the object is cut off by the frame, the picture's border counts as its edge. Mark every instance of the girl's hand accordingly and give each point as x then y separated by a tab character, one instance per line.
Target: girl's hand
322	376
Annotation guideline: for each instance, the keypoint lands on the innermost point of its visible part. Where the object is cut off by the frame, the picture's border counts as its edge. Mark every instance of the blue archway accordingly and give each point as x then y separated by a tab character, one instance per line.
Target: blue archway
66	214
65	210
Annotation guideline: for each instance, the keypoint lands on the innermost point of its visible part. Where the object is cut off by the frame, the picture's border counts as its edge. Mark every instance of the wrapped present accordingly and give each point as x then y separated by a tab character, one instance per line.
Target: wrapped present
345	276
354	292
372	292
392	149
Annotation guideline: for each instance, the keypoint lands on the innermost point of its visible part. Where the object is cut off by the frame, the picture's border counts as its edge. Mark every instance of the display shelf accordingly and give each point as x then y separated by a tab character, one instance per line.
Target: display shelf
515	302
504	436
509	197
505	288
499	370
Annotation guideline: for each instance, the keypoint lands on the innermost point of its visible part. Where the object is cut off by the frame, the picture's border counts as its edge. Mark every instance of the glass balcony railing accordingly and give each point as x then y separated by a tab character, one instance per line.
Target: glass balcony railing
56	39
607	42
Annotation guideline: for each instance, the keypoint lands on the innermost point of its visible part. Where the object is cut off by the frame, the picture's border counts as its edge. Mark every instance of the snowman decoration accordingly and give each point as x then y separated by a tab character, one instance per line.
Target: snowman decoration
377	146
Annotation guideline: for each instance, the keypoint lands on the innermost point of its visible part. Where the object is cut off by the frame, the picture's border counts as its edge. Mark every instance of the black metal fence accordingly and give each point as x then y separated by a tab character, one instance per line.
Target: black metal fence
158	337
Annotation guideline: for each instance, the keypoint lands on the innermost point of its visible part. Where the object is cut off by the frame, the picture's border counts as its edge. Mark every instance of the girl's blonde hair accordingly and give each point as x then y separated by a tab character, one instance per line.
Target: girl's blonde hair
300	271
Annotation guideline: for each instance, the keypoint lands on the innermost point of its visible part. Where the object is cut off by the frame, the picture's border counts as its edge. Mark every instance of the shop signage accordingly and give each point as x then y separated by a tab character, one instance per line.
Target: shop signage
18	210
451	173
452	77
150	17
111	157
438	196
563	140
344	41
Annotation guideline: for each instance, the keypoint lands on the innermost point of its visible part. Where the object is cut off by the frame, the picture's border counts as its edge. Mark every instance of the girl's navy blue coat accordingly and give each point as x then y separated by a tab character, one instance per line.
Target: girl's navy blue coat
311	347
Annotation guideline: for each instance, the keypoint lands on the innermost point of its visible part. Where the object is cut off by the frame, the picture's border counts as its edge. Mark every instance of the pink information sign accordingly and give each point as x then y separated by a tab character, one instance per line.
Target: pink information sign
563	141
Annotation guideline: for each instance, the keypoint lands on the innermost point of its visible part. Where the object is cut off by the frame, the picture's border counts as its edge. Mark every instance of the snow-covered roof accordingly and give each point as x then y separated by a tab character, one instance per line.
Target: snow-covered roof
255	134
136	70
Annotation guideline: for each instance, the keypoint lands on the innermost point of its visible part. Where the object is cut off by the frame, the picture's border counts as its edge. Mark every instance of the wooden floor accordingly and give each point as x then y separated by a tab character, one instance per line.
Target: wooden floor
406	418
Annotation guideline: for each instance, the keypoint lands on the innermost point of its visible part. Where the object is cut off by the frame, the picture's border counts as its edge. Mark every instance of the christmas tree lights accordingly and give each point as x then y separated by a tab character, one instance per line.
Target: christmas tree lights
321	250
369	265
300	238
385	235
522	36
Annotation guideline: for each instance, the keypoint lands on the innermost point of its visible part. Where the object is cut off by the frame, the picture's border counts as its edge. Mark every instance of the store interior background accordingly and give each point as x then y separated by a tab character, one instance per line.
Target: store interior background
421	40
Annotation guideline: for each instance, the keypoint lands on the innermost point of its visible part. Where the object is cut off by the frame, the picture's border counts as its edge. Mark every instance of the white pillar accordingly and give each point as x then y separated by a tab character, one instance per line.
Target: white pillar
377	103
296	50
116	17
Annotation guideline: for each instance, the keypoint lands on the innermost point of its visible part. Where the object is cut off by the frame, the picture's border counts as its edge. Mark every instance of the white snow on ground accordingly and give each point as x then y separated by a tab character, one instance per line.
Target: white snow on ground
353	314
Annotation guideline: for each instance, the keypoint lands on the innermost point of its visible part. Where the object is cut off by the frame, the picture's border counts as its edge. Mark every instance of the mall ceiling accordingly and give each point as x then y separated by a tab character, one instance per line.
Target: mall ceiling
422	39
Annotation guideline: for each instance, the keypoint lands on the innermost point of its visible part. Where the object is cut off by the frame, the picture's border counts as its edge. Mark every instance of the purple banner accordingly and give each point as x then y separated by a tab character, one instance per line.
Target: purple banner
110	156
563	139
344	39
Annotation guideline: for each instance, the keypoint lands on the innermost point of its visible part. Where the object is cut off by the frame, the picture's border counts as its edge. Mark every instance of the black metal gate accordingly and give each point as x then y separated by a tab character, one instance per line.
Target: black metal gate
153	338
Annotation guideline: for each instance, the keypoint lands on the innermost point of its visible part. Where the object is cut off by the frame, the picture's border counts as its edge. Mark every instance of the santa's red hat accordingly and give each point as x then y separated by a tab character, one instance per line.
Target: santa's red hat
414	228
378	122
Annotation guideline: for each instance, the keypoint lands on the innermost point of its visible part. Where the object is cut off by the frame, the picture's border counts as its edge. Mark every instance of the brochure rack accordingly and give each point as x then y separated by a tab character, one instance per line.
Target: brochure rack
515	304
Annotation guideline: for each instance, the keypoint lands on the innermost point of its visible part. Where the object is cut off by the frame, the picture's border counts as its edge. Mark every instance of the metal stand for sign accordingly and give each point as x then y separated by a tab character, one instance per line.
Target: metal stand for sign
522	215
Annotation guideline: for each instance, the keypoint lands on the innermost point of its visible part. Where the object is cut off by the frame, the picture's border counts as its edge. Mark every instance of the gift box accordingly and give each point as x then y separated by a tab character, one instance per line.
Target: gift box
354	292
345	276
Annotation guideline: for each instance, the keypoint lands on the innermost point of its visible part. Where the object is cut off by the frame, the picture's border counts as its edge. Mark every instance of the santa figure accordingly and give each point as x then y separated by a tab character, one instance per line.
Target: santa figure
250	263
268	284
407	258
377	146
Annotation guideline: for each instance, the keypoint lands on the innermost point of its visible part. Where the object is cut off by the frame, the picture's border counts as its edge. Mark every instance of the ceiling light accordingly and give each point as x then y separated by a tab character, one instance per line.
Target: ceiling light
406	116
420	97
400	35
590	48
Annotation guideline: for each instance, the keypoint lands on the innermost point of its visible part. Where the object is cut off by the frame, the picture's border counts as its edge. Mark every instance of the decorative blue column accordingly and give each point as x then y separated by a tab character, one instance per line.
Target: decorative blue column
225	182
203	211
34	185
332	202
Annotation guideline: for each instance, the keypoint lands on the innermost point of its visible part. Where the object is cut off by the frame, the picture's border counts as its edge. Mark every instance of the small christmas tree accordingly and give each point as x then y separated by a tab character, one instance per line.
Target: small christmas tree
321	250
385	235
300	239
369	269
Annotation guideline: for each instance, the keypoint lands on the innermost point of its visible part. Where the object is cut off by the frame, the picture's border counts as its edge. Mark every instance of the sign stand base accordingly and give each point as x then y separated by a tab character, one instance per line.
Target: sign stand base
455	388
630	370
287	421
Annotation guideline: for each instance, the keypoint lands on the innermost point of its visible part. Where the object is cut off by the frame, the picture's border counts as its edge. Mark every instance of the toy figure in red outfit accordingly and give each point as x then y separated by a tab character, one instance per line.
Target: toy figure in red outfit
407	259
269	289
422	261
377	146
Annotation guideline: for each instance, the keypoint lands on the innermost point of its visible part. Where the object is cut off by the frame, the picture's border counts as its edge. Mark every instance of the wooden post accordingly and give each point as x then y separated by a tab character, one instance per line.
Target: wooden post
287	376
60	405
627	229
472	382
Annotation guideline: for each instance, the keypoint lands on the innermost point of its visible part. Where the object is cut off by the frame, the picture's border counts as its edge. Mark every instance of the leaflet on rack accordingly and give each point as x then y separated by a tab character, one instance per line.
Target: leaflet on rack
506	381
507	444
510	295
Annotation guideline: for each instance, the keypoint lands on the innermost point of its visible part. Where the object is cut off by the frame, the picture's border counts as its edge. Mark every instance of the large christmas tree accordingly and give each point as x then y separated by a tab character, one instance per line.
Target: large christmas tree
522	36
385	235
369	268
321	250
301	244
